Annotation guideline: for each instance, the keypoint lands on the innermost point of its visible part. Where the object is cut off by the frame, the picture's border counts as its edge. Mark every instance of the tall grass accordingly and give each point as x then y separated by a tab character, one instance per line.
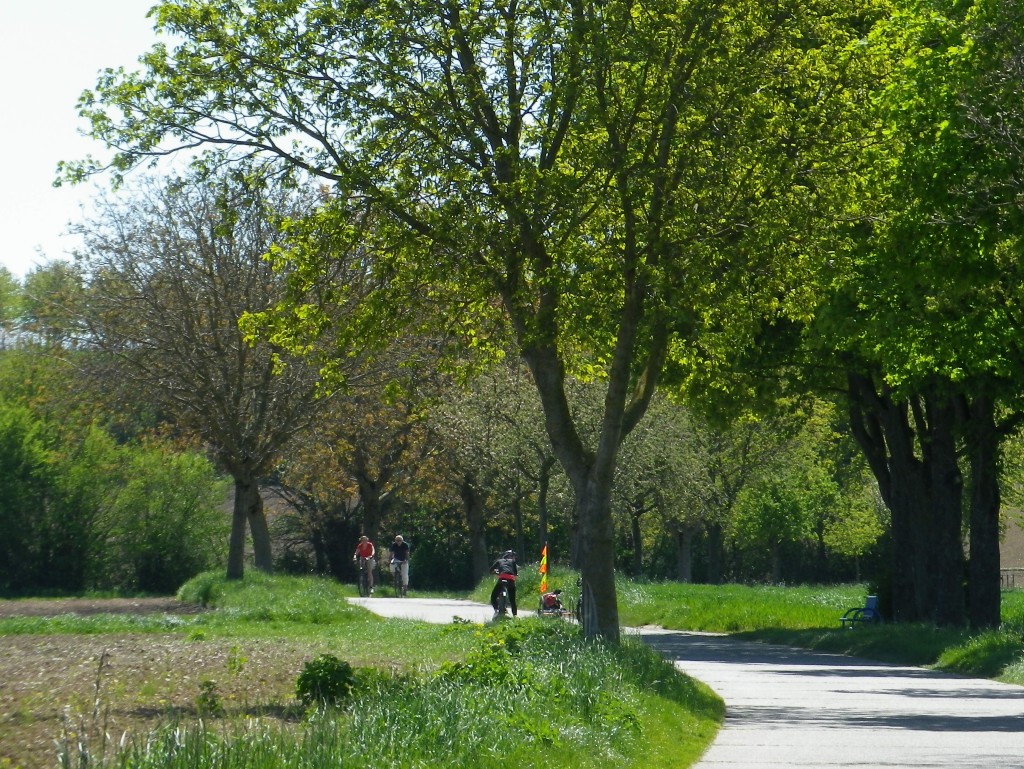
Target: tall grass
529	694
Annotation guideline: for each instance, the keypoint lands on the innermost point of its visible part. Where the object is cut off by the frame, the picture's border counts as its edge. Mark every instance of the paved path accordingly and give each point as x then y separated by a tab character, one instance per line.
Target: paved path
791	708
805	710
438	610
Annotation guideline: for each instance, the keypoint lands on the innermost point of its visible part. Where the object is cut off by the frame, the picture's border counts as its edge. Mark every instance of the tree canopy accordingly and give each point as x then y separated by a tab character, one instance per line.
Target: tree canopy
626	185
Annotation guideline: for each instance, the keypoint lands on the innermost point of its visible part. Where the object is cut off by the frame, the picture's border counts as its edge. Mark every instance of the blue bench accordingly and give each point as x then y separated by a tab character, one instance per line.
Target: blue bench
867	613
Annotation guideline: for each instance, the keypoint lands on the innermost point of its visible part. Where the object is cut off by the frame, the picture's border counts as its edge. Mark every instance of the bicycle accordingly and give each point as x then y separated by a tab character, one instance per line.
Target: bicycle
396	573
502	602
364	578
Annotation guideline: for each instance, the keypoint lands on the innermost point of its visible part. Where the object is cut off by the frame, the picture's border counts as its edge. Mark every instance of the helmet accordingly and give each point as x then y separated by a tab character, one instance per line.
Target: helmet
509	554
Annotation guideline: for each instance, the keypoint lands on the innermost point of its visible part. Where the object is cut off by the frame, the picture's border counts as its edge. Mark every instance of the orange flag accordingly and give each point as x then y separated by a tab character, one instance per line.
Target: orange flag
544	569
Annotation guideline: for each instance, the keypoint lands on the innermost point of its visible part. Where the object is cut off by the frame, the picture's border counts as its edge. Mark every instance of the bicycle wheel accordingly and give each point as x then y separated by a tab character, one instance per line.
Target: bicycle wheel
397	574
502	603
364	581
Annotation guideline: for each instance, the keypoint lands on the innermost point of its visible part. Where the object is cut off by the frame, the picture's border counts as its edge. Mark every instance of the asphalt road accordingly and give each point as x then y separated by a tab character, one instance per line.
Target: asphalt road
792	708
805	710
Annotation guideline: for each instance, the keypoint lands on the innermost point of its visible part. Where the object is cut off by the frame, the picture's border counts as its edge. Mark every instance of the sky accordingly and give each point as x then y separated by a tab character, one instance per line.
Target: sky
51	51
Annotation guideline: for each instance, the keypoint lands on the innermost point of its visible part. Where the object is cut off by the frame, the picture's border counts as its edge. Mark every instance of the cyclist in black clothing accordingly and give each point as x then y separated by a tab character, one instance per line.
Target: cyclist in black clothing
400	559
507	570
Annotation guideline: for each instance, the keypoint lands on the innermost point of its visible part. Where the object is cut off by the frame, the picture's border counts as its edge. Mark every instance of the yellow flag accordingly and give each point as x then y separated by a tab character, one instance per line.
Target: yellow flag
544	569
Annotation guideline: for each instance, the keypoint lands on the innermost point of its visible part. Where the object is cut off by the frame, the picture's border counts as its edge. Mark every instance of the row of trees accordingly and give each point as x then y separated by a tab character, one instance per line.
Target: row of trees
737	201
462	469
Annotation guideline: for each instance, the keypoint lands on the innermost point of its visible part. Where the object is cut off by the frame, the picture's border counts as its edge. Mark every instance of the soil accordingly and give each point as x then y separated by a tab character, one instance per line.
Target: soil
87	606
83	692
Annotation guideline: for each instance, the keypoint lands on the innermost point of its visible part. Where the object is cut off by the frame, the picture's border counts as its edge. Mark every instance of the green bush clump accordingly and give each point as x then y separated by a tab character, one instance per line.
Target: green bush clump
325	680
202	590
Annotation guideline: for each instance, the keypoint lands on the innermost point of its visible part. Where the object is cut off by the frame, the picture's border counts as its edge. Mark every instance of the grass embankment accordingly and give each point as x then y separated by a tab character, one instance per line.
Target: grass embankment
525	694
808	617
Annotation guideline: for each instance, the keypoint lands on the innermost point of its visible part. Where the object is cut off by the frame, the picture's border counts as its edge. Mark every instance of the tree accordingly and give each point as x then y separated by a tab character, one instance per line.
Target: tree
473	435
10	305
794	490
622	186
170	274
362	455
926	322
654	479
164	525
24	487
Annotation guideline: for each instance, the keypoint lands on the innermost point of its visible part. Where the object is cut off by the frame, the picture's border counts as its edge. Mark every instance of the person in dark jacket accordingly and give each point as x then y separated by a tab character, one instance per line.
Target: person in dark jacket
507	570
399	550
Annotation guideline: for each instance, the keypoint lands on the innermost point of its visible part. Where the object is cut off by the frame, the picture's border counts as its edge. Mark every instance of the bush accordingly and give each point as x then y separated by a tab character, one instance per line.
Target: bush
325	680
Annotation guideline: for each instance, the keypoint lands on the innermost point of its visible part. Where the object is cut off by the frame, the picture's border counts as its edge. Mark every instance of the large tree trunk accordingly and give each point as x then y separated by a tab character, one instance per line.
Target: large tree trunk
473	509
883	434
248	512
684	553
597	563
948	602
716	552
236	543
915	464
983	575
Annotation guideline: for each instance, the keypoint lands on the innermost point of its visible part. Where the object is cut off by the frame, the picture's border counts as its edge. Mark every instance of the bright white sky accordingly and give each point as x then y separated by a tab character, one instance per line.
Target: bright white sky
51	51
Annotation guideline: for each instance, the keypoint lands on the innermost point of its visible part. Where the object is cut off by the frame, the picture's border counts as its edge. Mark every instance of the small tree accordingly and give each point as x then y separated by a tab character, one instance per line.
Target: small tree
170	275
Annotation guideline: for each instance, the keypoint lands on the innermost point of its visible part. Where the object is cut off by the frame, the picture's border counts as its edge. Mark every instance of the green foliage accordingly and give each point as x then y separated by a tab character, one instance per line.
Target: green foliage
79	511
325	681
11	299
25	480
209	703
164	525
586	705
203	589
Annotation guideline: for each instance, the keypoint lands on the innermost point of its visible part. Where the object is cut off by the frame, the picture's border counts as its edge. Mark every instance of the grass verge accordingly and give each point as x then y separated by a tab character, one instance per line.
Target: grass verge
529	694
217	689
808	617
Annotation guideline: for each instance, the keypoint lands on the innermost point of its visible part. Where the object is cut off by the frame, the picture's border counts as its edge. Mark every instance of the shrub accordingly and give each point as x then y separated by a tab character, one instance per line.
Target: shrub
325	680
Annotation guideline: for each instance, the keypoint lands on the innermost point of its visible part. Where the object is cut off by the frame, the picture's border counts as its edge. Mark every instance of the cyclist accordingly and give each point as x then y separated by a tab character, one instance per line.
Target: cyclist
365	550
507	570
400	559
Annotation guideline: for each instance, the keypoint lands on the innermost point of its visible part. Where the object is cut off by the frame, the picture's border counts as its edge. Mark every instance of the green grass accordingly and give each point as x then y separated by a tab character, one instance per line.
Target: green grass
557	700
733	608
808	617
526	694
